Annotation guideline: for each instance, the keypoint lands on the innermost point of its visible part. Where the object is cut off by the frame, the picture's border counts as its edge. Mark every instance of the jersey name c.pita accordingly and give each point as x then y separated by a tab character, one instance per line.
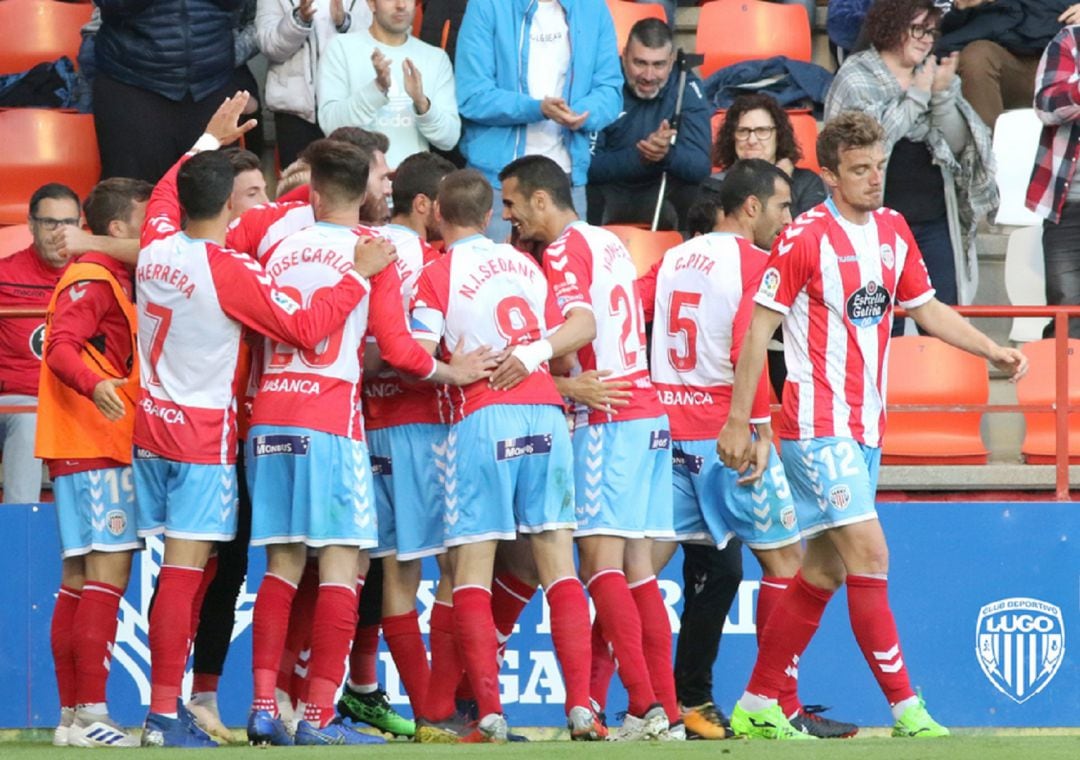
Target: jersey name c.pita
836	283
485	294
702	311
589	267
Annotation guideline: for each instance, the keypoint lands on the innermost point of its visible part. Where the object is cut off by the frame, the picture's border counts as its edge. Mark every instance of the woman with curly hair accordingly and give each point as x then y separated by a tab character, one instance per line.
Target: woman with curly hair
939	173
756	126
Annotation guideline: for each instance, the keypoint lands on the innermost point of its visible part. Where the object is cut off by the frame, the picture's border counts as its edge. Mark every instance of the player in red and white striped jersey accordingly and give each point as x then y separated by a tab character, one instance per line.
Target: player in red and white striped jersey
193	296
832	280
622	467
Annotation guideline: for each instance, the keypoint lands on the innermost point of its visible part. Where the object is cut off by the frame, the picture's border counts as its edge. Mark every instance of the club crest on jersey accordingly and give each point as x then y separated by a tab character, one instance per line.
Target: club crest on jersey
286	304
1020	645
887	257
512	448
770	282
271	445
840	496
867	306
659	439
37	341
691	462
116	521
381	466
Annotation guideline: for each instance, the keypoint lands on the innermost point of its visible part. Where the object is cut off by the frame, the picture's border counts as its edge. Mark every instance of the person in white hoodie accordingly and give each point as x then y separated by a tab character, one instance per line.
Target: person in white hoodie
293	34
388	81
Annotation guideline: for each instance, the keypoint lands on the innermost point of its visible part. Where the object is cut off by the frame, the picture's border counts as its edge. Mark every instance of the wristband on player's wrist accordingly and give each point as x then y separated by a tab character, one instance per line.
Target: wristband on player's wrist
206	142
532	355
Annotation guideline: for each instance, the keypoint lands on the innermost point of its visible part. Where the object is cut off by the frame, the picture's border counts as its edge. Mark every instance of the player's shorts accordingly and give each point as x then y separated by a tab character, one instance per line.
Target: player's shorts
184	500
408	463
309	487
509	468
833	480
622	478
96	511
711	506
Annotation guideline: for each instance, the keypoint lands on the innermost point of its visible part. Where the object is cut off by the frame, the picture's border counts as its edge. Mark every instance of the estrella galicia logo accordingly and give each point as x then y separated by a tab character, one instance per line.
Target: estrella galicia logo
37	341
691	462
867	305
1020	644
659	439
294	445
512	448
381	465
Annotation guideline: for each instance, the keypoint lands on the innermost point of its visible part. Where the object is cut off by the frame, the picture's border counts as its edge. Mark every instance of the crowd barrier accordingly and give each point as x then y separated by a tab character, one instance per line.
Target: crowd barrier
986	596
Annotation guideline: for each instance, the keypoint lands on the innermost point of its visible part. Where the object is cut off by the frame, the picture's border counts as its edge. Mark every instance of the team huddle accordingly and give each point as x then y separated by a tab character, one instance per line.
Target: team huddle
492	407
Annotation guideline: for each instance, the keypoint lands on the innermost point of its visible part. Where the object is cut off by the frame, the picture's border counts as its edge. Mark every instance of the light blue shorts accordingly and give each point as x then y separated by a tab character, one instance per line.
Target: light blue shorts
408	463
622	477
834	481
184	500
96	511
309	487
509	468
711	506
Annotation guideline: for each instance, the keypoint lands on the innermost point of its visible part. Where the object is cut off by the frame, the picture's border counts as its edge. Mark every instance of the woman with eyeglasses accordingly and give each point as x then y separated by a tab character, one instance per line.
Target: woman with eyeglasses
756	126
938	172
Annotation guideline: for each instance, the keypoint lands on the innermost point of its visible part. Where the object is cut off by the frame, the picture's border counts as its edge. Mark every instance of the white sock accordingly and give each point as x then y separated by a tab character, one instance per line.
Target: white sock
755	702
205	699
364	688
899	708
97	709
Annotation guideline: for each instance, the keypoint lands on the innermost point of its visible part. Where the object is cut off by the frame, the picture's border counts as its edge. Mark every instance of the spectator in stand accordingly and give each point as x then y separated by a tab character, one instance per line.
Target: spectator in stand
535	77
1052	191
442	16
939	173
163	68
387	80
630	155
292	35
27	279
1000	42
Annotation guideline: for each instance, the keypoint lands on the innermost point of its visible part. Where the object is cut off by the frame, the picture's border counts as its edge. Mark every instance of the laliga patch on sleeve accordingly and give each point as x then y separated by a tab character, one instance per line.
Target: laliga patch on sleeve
283	302
770	282
512	448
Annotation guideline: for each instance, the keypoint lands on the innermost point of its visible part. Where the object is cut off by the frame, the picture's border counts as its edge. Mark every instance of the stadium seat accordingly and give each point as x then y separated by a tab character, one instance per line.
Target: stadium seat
1016	139
40	146
731	31
625	14
806	132
1025	281
39	30
924	370
1037	387
14	238
645	246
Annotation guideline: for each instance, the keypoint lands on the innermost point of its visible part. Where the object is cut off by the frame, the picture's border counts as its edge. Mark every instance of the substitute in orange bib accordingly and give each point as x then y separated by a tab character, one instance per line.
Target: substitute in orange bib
87	387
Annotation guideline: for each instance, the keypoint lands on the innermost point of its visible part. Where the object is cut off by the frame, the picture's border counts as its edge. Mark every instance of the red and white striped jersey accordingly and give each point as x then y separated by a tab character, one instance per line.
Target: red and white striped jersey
320	388
704	292
483	293
836	283
389	399
193	298
589	267
259	229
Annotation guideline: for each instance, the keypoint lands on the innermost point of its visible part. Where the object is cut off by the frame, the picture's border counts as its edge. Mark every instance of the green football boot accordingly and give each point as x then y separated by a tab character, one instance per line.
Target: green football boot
770	723
916	723
375	710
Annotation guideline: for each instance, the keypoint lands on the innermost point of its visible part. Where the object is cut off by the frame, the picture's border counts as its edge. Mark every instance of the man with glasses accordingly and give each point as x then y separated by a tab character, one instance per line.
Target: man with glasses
632	153
27	280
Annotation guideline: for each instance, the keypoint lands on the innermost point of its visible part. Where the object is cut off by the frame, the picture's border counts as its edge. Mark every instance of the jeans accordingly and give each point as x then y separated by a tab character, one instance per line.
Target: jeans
933	240
1061	254
22	471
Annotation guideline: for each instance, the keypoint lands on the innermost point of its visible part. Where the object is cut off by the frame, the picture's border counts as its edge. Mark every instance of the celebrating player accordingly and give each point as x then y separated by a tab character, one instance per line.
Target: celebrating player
832	279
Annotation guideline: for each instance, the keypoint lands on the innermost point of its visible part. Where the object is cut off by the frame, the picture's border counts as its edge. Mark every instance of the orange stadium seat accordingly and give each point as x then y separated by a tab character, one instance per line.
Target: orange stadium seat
625	14
806	132
1037	387
40	146
924	370
645	246
730	31
39	30
14	238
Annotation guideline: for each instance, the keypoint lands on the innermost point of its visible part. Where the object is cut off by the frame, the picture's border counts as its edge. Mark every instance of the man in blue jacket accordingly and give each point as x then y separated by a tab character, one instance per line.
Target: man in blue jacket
535	77
631	155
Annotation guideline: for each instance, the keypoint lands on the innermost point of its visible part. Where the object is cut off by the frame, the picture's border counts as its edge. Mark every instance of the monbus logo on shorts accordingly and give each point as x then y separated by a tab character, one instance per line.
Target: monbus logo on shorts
1020	643
267	445
512	448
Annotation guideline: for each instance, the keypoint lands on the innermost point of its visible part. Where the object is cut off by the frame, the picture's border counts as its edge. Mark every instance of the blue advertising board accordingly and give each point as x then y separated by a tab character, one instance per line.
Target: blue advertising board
986	597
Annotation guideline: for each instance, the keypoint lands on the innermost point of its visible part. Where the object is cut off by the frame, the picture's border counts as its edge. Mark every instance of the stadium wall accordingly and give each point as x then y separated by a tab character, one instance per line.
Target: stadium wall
987	597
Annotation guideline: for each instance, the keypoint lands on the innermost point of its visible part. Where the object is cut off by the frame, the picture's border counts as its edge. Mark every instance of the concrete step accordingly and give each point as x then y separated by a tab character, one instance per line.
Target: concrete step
990	477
